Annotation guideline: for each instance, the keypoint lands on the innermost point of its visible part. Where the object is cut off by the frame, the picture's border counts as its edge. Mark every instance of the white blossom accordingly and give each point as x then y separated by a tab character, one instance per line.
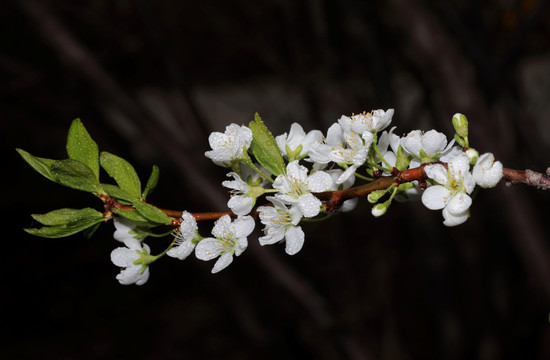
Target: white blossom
431	143
184	237
372	122
230	238
296	138
487	172
295	187
241	202
228	146
451	190
343	146
125	257
281	224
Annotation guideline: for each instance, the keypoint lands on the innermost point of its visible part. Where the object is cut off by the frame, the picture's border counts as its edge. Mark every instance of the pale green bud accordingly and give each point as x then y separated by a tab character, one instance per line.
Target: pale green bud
472	155
460	124
380	209
374	196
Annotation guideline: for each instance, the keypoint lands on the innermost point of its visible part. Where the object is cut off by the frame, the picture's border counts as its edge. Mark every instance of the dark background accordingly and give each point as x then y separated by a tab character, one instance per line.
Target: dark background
151	80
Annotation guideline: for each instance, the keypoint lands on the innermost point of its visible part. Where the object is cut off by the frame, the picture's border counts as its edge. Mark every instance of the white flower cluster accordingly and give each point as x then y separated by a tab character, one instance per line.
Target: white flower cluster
314	163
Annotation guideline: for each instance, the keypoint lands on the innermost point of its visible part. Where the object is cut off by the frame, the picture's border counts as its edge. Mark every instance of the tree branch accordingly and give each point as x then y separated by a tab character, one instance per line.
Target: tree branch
334	199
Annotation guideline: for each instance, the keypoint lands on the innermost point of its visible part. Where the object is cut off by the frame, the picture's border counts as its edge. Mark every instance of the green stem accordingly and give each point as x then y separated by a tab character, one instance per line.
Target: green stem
363	177
248	162
394	192
375	147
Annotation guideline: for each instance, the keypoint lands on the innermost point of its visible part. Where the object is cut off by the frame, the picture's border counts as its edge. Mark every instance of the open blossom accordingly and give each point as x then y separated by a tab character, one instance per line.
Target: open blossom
431	143
125	257
451	191
281	224
228	146
184	238
295	188
372	122
242	201
297	138
230	238
343	146
487	172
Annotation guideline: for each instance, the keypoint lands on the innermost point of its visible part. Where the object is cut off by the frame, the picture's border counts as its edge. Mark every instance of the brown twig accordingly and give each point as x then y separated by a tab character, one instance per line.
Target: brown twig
528	177
334	199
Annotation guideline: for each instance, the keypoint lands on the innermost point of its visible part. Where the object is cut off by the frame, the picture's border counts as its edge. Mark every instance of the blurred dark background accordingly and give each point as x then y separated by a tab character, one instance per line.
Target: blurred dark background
151	80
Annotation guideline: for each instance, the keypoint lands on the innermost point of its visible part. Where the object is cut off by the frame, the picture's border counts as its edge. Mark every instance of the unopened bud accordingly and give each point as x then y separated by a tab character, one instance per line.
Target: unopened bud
472	155
460	124
380	209
374	196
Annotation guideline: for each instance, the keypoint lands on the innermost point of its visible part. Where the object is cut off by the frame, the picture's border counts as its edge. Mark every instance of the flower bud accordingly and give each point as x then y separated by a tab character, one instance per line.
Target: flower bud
380	209
472	155
374	196
460	124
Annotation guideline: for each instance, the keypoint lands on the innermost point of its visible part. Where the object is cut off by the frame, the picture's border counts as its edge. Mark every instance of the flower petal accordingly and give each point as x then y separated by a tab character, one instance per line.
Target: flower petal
243	226
208	249
181	251
319	181
241	246
294	240
454	219
435	197
487	172
188	226
123	257
438	173
241	205
433	142
459	165
274	234
237	184
221	226
309	205
129	275
296	171
222	262
459	204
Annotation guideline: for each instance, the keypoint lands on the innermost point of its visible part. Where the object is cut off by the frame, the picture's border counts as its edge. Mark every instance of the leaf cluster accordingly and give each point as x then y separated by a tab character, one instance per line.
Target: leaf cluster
81	171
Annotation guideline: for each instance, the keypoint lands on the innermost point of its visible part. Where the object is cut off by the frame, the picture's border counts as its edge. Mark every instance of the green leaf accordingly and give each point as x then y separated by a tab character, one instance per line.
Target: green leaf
81	147
151	213
124	174
76	175
66	222
41	165
117	193
264	147
133	216
152	182
65	216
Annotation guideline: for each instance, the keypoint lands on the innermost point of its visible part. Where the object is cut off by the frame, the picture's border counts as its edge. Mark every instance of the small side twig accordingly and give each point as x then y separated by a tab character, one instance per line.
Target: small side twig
528	177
